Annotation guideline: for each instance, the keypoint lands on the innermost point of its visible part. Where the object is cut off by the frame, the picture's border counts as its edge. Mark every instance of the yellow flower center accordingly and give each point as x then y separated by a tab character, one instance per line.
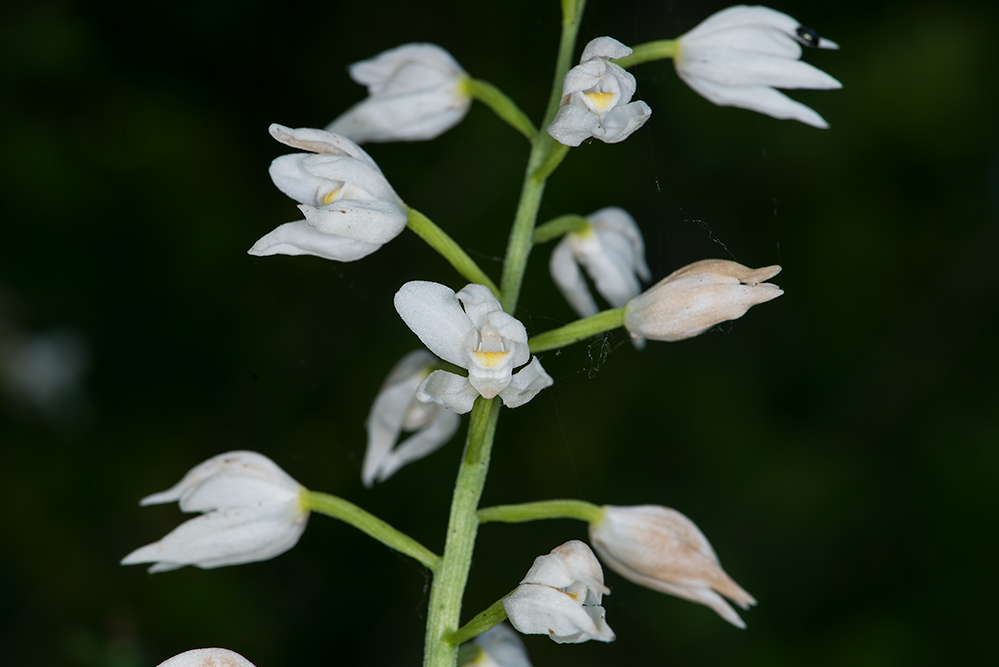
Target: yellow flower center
601	101
488	359
330	197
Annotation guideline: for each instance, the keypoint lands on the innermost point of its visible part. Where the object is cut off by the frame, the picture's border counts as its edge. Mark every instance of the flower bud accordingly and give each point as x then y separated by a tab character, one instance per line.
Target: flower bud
691	300
661	549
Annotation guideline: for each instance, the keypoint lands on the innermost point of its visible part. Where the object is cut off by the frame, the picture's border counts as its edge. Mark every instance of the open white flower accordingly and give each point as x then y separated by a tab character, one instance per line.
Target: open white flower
253	512
480	337
416	93
497	647
350	208
612	252
396	409
739	56
596	98
662	549
207	657
560	597
691	300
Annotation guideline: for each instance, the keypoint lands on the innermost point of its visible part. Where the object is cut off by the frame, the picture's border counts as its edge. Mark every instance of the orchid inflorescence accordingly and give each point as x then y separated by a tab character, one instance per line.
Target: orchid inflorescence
478	356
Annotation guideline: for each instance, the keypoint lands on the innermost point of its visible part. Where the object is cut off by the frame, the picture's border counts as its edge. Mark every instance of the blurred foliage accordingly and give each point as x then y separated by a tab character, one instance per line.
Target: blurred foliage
838	446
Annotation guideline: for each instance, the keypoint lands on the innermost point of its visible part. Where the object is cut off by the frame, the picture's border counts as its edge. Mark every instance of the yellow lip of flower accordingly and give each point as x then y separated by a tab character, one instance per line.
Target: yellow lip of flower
330	197
490	359
601	101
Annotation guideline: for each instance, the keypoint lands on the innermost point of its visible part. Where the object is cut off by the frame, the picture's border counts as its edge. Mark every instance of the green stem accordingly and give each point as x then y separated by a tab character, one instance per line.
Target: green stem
559	226
544	509
521	233
650	51
435	237
503	106
349	513
450	577
486	620
577	331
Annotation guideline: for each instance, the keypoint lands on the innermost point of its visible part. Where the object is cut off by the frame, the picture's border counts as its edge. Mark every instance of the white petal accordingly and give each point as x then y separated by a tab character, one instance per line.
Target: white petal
375	222
573	125
226	537
207	657
525	384
757	98
730	67
569	279
434	314
244	463
479	302
301	238
384	423
604	47
376	72
338	168
319	141
424	442
449	390
620	122
413	117
542	610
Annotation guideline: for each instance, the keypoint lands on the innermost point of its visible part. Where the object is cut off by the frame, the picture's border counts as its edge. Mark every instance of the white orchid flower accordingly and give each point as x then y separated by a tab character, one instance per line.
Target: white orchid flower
739	56
416	92
596	98
497	647
612	252
396	409
661	549
691	300
560	597
350	208
252	512
480	337
207	657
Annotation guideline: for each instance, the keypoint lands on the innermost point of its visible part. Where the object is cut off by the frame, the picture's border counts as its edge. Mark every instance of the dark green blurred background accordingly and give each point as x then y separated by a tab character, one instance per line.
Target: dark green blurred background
838	446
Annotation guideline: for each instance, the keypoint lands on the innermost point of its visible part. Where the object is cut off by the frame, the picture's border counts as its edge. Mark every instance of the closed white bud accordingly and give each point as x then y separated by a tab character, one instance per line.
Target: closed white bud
693	299
661	549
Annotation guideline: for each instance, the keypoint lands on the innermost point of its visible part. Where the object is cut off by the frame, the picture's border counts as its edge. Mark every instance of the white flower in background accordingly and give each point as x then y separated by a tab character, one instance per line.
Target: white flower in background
396	409
253	512
46	371
611	251
416	92
661	549
207	657
560	597
739	56
691	300
596	98
350	208
498	647
479	337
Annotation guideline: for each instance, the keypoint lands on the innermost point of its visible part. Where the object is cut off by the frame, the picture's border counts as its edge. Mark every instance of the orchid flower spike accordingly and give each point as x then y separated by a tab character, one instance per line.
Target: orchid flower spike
207	657
417	92
741	55
661	549
252	511
596	98
691	300
612	252
469	329
497	647
560	597
396	409
350	208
